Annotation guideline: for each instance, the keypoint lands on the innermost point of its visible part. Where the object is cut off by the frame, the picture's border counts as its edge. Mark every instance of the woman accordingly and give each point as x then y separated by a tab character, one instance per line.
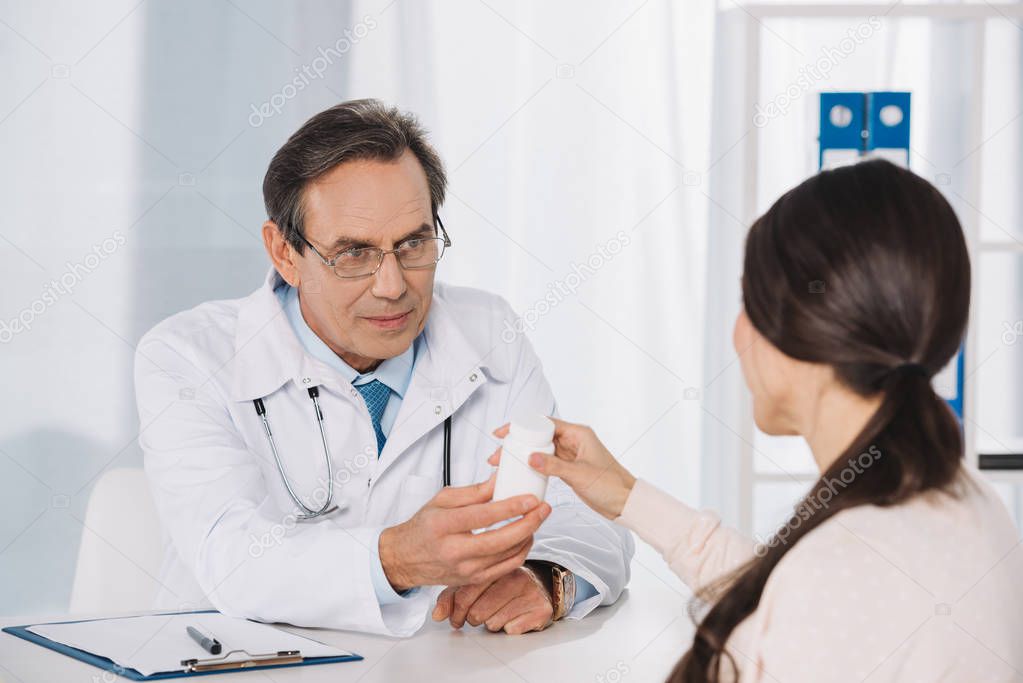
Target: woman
900	563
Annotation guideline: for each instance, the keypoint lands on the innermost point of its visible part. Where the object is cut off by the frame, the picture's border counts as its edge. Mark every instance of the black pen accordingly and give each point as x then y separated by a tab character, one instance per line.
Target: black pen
208	643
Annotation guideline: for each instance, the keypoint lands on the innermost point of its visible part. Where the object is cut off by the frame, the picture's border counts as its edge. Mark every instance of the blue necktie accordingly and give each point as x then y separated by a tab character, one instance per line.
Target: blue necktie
376	394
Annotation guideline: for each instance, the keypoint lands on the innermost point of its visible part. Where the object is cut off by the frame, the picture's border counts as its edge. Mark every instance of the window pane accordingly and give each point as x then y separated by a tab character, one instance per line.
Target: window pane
1000	158
998	359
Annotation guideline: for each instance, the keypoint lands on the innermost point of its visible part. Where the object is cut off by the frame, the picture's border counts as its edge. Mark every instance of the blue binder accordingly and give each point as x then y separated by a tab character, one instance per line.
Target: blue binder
862	132
132	674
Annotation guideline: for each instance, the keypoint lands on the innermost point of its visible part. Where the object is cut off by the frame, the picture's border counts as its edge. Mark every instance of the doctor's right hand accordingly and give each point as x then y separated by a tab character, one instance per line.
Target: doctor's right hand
436	547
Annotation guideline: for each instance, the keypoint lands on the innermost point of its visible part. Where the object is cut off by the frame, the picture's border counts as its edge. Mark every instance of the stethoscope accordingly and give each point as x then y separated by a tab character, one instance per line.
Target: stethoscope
328	505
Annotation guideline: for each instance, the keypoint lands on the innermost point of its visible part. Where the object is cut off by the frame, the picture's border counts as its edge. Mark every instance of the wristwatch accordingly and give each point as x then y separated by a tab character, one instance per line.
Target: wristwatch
559	582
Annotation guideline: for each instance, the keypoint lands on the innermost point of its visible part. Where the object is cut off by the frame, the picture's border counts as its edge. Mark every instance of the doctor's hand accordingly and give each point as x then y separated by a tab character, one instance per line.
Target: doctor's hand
582	462
437	547
516	603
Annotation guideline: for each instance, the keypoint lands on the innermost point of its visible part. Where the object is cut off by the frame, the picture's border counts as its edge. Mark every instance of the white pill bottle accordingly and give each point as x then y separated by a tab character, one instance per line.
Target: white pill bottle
527	433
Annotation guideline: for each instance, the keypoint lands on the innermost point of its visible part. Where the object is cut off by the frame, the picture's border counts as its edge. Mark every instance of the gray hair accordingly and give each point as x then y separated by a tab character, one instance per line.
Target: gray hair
354	130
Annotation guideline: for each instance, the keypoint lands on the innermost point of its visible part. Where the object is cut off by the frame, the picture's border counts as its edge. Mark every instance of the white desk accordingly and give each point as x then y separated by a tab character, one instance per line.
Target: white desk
637	639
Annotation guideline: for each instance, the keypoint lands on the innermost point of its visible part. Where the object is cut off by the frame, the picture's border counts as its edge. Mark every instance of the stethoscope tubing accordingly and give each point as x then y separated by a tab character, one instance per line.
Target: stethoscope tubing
328	507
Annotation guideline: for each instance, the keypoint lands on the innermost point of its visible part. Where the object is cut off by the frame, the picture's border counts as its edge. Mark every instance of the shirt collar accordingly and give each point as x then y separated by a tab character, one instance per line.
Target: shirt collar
395	372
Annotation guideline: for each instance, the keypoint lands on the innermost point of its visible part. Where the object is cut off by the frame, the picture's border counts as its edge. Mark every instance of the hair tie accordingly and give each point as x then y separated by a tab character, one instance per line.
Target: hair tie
911	369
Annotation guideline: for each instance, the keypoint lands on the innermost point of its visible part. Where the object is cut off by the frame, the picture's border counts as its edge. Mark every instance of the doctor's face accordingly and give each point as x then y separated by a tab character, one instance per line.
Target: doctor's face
359	204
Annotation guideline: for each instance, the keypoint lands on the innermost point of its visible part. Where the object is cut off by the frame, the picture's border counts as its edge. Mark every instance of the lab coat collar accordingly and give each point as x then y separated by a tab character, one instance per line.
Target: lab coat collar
266	351
267	354
460	357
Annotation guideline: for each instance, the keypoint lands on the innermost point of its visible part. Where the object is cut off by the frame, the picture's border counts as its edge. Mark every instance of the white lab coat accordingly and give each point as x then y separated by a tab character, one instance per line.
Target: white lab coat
233	539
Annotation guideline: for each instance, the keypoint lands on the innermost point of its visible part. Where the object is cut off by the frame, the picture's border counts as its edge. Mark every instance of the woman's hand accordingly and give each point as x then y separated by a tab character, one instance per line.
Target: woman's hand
582	462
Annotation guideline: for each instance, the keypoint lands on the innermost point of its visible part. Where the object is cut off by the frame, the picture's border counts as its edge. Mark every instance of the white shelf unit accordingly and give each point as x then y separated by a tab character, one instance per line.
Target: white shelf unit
976	16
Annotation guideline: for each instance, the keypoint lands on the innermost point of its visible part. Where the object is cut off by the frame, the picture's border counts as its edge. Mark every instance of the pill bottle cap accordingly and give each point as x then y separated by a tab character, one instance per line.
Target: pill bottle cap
532	430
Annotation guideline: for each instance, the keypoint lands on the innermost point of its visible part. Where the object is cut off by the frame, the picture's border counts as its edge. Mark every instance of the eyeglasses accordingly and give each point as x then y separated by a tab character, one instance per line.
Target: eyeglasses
415	253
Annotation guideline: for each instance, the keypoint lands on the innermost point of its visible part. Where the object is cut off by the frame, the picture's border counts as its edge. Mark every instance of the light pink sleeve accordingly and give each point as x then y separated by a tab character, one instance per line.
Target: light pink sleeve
692	542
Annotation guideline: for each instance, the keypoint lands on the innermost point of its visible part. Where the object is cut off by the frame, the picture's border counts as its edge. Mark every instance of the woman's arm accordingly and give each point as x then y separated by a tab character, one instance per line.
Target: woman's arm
694	543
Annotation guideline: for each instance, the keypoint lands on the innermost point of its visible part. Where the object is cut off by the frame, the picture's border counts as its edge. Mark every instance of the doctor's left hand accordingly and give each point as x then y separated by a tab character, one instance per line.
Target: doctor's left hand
516	603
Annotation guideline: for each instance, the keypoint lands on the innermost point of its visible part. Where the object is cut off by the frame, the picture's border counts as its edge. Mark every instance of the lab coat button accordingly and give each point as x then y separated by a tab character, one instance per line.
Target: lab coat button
306	380
472	377
436	410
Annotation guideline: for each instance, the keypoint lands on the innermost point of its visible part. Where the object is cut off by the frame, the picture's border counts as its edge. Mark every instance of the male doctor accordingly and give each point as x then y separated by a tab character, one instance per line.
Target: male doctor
294	439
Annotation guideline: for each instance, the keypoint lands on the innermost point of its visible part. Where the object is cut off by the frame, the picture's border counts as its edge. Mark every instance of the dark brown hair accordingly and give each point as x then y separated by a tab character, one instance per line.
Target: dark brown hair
863	268
350	131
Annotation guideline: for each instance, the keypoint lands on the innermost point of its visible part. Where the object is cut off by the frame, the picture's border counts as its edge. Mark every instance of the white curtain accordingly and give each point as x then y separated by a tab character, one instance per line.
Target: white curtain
577	139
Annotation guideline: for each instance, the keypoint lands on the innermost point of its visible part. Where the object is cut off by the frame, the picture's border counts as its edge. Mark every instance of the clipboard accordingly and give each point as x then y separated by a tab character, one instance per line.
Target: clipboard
202	667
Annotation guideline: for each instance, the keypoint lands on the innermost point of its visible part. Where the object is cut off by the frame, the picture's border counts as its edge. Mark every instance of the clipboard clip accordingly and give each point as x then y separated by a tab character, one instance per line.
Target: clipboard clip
221	663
